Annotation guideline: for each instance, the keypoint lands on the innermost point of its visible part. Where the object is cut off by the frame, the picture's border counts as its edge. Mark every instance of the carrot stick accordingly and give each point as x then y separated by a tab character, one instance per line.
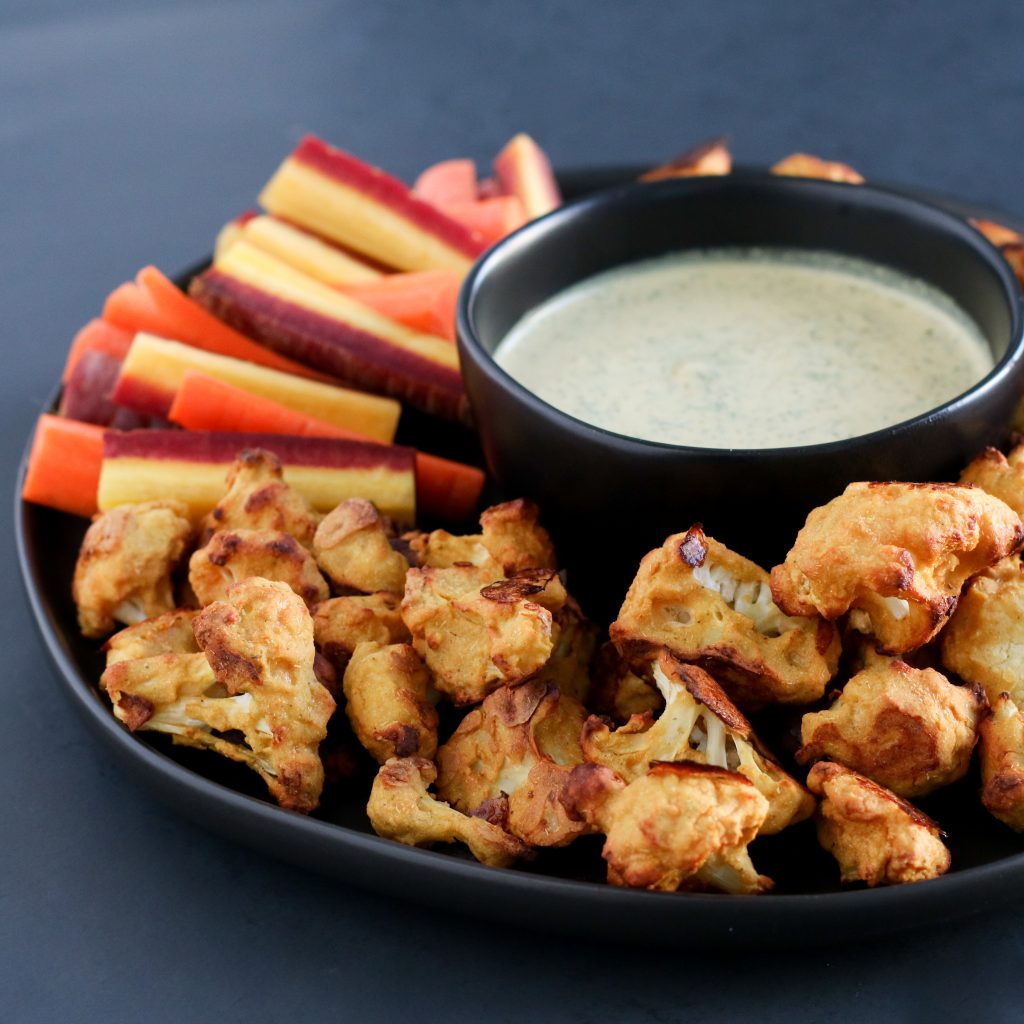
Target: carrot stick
97	336
492	218
155	304
450	181
445	489
424	300
64	465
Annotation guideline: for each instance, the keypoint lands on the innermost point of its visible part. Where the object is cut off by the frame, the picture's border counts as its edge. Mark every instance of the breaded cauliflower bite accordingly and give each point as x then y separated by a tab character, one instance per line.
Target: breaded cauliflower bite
1002	762
714	608
353	549
876	836
679	826
257	498
510	759
124	567
701	725
804	165
235	555
568	667
910	730
386	689
894	556
618	691
510	539
170	633
401	808
476	633
340	624
1000	475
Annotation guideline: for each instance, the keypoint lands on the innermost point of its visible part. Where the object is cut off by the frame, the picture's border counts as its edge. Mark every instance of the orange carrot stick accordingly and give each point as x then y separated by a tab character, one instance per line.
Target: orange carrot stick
424	300
450	181
64	465
97	336
492	218
154	304
445	489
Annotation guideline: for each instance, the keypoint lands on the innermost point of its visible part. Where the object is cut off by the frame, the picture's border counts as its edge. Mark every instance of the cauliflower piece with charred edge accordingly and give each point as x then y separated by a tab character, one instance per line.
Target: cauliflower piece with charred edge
699	724
876	836
1000	475
1002	762
401	808
170	633
124	567
618	691
679	826
257	498
386	689
510	758
340	624
894	556
235	555
712	607
476	634
353	549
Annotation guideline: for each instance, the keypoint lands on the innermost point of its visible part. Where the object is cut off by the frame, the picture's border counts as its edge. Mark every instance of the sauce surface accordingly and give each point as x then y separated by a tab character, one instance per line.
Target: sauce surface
746	348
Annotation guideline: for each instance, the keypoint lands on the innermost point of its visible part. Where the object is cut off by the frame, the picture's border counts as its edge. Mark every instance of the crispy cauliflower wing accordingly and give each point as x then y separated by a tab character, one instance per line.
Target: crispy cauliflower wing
1002	762
510	539
679	826
803	165
568	667
257	498
170	633
235	555
619	692
908	729
701	725
714	608
509	761
894	556
340	624
1000	475
876	836
475	633
353	549
401	808
124	567
386	689
709	158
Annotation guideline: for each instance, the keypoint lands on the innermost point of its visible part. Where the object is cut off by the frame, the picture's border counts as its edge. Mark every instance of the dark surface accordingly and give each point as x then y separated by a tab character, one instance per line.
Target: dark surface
128	136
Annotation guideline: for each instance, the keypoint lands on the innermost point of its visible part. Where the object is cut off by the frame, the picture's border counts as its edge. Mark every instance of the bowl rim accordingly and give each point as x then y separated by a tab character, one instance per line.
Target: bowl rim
877	196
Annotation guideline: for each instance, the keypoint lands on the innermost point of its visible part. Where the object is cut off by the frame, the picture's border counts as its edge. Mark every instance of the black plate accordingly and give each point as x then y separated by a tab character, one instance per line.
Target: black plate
561	890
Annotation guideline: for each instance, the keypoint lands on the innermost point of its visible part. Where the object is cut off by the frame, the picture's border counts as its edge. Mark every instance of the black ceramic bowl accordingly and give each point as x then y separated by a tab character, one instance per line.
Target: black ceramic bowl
610	498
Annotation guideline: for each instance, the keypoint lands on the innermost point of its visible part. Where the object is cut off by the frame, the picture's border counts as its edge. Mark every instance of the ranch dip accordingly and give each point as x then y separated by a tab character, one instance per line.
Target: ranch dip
746	348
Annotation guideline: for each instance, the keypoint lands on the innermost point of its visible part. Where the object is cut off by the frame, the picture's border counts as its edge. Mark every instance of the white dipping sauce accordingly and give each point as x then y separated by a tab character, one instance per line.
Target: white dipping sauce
746	348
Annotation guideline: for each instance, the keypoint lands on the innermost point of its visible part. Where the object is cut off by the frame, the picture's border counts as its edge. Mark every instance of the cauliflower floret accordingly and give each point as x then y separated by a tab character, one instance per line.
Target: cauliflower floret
170	633
917	543
510	539
476	634
354	552
618	691
803	165
1002	762
709	158
124	567
713	607
678	826
510	758
342	623
699	724
999	475
568	667
876	836
400	808
386	687
907	729
235	555
257	498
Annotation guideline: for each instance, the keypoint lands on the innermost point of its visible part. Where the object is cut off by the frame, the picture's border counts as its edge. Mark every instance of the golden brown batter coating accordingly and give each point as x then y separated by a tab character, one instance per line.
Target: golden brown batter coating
258	499
714	608
235	555
568	667
353	550
402	809
170	633
476	633
803	165
619	691
340	624
709	158
876	837
679	826
1002	762
699	724
895	556
124	567
910	730
510	759
1000	475
386	688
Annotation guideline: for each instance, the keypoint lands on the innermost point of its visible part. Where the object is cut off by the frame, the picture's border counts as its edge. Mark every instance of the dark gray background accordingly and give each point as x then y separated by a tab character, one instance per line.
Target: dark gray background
128	134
